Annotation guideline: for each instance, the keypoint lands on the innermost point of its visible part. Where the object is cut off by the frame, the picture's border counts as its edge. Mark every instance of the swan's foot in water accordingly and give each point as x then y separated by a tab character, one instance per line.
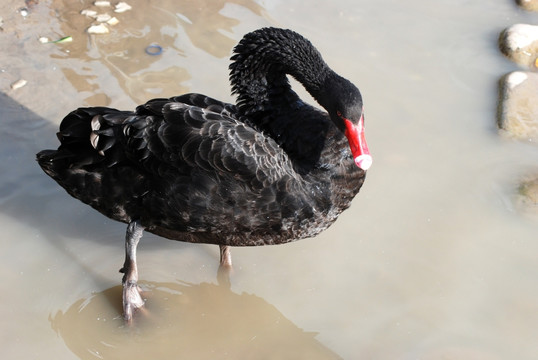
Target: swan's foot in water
131	300
131	292
225	267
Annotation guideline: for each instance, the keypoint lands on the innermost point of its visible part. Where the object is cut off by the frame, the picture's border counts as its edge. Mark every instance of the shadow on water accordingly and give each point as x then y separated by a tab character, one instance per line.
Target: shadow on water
26	193
204	321
29	197
23	193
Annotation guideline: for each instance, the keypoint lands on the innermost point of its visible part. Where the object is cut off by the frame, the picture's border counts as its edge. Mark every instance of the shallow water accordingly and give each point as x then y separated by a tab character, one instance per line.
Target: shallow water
432	261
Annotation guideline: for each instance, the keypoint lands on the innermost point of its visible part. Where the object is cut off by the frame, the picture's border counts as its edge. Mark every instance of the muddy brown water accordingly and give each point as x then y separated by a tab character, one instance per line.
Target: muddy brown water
432	261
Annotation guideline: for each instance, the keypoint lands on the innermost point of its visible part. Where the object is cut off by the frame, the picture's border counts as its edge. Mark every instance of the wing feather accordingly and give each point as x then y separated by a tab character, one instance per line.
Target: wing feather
188	137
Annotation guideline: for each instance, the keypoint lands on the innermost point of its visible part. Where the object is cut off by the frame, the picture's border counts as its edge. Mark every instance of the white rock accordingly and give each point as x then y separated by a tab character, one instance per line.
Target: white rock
89	13
103	17
518	107
98	29
515	78
530	5
122	7
44	40
18	84
113	21
521	36
519	42
102	3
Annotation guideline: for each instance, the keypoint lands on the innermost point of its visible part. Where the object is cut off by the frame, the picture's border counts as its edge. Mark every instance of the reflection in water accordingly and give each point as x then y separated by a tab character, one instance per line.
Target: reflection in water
204	321
122	51
203	18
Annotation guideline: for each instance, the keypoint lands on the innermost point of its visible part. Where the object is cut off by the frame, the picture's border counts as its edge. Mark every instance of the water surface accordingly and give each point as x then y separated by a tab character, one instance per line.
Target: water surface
432	261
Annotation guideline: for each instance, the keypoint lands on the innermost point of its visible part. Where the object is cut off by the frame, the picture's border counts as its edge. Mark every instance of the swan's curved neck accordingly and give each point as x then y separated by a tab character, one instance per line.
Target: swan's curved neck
260	64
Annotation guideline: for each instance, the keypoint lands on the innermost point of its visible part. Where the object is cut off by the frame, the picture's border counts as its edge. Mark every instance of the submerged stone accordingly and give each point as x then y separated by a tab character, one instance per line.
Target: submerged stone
518	108
531	5
527	196
519	43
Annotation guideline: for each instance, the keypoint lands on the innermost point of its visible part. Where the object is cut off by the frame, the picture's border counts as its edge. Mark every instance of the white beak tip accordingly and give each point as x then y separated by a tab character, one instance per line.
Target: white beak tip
364	161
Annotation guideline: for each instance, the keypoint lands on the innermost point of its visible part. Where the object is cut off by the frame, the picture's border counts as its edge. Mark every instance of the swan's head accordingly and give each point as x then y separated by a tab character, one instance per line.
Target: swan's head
343	101
357	141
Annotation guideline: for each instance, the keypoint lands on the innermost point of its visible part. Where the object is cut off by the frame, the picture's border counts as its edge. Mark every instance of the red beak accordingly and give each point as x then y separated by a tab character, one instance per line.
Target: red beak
357	143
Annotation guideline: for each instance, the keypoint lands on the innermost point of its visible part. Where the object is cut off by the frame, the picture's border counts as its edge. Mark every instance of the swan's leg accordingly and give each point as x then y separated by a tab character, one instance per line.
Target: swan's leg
131	292
225	267
225	256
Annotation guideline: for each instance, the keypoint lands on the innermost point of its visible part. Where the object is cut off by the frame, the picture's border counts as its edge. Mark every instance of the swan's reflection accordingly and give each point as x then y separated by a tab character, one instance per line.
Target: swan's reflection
193	321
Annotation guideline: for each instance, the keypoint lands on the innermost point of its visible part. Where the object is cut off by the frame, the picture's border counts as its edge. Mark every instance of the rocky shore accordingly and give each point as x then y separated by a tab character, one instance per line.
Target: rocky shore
518	99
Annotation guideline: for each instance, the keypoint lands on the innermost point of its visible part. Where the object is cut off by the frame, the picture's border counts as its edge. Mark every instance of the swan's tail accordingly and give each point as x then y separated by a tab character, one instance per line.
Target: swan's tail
84	135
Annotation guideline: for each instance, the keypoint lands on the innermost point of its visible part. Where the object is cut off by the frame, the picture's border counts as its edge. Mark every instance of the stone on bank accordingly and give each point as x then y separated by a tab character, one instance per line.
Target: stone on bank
518	107
519	43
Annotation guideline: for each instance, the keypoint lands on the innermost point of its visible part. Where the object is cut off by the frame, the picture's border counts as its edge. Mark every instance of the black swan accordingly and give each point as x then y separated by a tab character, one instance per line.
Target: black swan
268	170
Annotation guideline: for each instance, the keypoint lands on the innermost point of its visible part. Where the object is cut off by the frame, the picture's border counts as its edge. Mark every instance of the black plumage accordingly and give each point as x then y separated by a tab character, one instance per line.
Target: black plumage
268	170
